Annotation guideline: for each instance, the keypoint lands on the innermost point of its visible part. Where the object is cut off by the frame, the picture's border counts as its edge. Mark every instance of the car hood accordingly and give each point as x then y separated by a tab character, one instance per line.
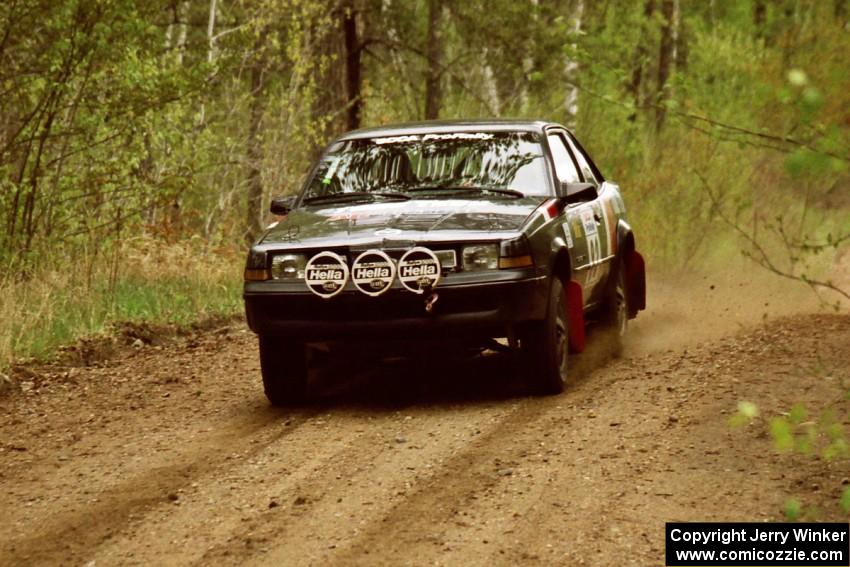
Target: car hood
415	220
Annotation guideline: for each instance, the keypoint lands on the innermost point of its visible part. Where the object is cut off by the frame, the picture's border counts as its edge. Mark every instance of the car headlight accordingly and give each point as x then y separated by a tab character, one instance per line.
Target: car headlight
481	257
288	266
447	258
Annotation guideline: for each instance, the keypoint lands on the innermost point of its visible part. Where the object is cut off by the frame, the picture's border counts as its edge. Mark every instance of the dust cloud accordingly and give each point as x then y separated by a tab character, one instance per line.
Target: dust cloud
689	309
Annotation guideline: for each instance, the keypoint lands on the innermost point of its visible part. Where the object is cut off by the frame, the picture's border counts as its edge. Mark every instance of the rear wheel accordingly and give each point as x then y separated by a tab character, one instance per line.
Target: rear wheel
615	311
284	367
544	346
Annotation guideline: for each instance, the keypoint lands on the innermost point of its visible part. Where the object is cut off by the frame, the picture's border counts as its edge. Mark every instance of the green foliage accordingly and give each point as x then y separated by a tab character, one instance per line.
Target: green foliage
782	434
800	433
792	509
121	118
746	413
845	500
824	435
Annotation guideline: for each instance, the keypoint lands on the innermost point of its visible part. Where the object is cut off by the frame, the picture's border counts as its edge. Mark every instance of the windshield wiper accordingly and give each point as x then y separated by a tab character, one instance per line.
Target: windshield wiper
356	195
464	189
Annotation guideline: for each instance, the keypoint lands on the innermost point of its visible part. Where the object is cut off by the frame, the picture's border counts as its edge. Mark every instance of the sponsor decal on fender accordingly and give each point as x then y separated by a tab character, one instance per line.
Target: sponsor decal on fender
373	272
326	274
419	270
568	234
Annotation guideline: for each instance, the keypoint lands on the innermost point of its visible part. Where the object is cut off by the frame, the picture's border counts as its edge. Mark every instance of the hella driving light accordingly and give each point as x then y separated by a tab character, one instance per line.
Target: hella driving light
326	274
480	257
288	266
373	272
419	270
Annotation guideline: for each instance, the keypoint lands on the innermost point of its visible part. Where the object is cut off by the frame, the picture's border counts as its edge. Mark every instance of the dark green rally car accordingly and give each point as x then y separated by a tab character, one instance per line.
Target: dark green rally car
460	231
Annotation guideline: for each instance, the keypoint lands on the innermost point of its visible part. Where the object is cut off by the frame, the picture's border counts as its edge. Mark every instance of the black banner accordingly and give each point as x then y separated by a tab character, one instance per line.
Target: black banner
751	543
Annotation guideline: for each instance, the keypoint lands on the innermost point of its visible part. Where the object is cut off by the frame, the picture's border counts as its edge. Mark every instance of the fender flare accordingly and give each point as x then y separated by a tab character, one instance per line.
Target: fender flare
635	268
625	237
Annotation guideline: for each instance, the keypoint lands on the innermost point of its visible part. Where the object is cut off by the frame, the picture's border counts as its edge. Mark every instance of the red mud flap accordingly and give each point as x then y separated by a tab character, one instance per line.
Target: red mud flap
635	282
575	311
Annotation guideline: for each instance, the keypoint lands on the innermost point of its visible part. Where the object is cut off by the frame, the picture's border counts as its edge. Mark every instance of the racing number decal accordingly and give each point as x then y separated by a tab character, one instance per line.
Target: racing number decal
594	246
599	220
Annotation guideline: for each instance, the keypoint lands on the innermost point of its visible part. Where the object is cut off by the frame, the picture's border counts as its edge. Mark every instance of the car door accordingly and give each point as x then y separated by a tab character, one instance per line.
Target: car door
604	212
578	224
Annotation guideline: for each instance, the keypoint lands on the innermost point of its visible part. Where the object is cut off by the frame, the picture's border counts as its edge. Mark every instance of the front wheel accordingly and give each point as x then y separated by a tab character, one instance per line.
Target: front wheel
284	368
544	346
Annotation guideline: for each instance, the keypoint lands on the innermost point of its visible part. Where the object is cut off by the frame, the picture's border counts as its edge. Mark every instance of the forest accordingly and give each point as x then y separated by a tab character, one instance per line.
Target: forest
141	142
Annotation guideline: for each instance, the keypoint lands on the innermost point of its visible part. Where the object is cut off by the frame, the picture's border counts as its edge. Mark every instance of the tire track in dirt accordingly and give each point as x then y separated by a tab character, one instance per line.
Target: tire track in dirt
673	457
450	478
424	524
356	488
332	461
400	532
316	466
235	493
76	532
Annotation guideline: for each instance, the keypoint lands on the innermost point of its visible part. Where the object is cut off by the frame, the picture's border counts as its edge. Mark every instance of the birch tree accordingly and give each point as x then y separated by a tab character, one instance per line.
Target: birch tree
571	68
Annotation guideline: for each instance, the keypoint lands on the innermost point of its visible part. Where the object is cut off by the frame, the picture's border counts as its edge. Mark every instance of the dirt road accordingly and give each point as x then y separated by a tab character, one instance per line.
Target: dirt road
171	455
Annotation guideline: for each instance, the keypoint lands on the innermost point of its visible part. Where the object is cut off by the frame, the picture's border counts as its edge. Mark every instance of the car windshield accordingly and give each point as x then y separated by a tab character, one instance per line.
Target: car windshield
457	164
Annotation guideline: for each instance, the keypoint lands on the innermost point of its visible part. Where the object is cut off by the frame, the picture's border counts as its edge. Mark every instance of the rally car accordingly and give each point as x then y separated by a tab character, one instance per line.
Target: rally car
457	230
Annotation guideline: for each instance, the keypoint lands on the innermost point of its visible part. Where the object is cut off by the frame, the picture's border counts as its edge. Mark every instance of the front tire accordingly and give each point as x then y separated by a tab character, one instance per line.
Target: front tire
284	368
544	346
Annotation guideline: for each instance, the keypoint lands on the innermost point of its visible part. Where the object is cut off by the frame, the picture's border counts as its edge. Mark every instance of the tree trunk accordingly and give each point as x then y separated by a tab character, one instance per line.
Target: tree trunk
760	21
491	89
680	61
353	67
329	105
254	221
434	53
639	63
759	16
665	59
571	69
840	11
210	53
211	32
527	63
183	28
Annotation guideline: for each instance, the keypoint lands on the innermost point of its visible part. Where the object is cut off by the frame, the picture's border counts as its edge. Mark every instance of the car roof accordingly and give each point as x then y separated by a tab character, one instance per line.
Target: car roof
447	126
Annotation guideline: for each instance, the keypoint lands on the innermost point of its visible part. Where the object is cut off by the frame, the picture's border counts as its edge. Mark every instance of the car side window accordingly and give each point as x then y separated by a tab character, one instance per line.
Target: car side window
583	165
565	167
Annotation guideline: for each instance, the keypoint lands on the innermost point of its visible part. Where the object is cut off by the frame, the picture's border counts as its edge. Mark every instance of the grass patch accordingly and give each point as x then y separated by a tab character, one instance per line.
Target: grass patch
140	280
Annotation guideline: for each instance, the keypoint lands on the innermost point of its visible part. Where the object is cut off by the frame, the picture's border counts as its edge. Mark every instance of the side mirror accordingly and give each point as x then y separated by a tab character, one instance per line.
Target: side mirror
577	192
282	205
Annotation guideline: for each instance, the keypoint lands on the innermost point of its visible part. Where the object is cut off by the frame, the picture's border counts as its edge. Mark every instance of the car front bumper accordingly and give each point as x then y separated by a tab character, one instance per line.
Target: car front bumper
482	309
